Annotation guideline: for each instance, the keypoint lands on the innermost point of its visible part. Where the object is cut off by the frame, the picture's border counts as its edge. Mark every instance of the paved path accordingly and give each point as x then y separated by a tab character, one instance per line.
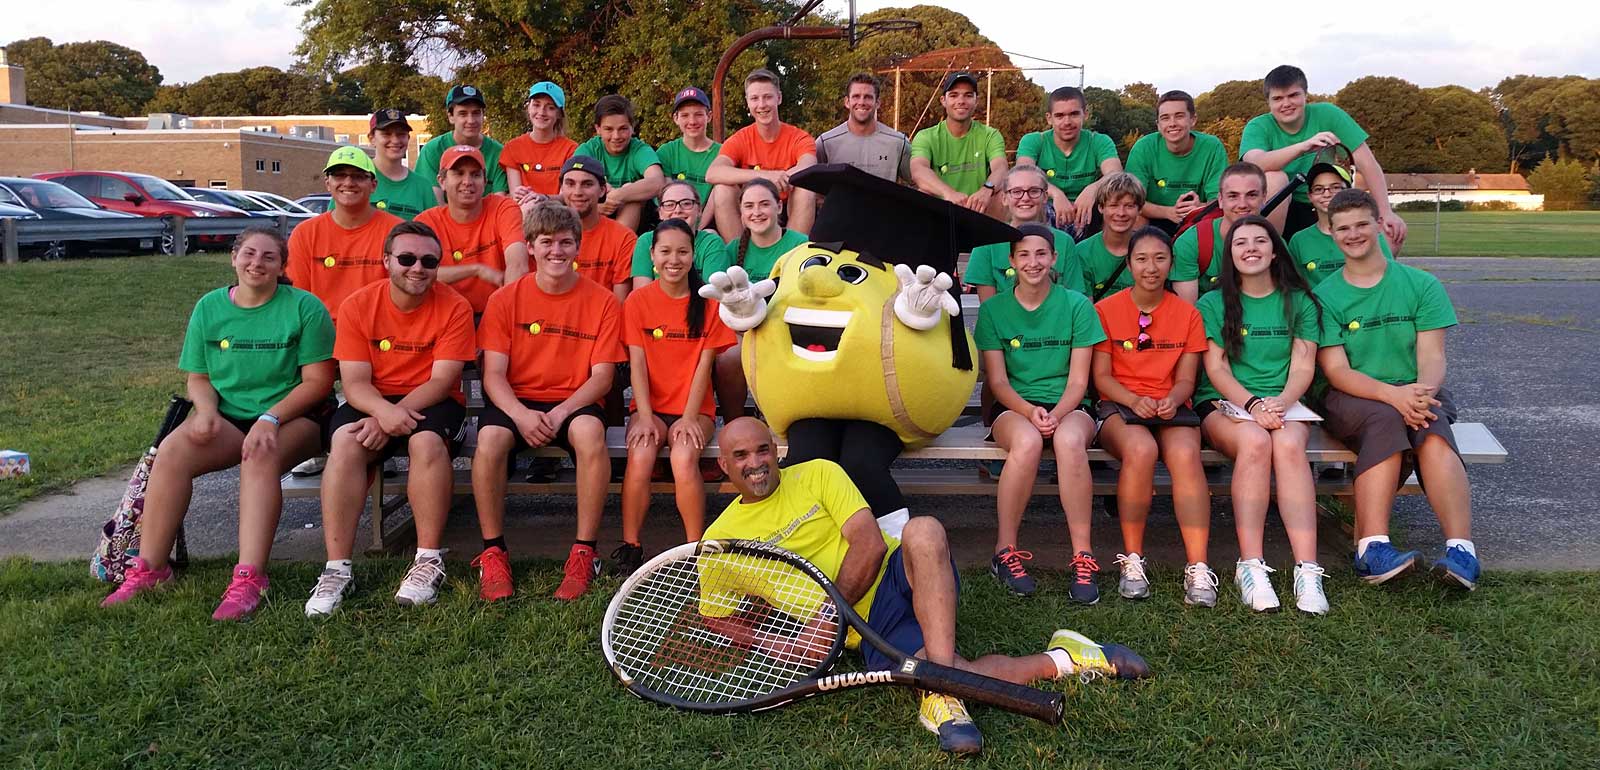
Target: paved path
1525	360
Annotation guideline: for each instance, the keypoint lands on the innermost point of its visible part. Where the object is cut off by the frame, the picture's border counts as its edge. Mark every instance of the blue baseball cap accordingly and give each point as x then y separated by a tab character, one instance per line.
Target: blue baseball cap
547	88
691	94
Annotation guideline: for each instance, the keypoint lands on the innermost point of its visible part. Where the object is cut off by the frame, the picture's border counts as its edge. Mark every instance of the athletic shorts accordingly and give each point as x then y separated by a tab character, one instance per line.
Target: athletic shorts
1047	405
446	418
1106	408
1300	216
318	414
491	415
1203	409
892	614
1376	432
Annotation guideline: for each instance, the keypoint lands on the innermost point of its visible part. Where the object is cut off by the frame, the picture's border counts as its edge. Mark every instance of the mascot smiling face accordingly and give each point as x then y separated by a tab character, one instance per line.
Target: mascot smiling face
831	346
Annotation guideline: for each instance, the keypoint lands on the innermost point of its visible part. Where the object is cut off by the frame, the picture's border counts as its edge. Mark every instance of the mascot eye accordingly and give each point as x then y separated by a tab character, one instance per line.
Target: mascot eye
816	261
852	274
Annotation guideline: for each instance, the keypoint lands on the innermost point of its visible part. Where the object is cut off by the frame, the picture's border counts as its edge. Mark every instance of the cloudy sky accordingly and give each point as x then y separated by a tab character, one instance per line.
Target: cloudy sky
1474	45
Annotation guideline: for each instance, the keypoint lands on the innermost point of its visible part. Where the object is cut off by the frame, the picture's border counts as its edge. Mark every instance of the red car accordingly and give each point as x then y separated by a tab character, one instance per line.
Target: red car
144	195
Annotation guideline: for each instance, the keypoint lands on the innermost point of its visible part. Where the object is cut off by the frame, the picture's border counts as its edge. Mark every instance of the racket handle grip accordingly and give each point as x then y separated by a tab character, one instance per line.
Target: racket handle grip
1015	698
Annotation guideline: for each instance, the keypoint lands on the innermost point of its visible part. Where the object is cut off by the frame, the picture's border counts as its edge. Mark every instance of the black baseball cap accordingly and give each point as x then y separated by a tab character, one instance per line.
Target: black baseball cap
959	77
464	95
387	117
586	164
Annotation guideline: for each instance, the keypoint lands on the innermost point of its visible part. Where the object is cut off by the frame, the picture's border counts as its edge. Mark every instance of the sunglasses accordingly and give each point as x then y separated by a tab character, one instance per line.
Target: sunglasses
1144	341
407	260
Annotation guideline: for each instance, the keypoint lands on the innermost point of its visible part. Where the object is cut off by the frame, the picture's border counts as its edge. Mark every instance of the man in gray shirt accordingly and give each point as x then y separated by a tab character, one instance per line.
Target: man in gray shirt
862	141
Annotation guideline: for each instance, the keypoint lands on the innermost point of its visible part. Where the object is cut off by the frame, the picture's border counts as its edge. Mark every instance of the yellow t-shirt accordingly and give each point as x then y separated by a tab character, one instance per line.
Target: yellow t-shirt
805	516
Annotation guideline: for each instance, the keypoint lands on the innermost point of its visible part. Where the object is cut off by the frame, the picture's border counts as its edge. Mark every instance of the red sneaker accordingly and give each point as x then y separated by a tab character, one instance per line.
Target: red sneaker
494	574
582	567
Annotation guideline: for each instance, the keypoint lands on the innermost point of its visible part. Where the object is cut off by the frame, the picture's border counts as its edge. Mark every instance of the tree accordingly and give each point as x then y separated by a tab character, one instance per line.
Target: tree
1396	117
253	91
1466	131
1526	111
1137	94
1575	108
1242	99
1564	183
1111	114
96	75
371	87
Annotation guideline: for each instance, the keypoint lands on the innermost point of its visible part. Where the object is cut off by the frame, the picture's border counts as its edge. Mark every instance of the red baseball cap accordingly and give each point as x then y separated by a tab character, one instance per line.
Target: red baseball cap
459	152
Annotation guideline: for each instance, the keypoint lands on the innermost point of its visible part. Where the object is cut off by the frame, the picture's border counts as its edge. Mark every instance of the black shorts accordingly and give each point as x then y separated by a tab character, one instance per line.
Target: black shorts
1106	408
1376	432
446	418
318	415
1300	216
1203	409
1048	406
493	416
666	419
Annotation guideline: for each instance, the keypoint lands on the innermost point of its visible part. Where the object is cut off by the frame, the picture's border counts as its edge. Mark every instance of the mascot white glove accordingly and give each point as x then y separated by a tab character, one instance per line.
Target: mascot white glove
742	305
922	295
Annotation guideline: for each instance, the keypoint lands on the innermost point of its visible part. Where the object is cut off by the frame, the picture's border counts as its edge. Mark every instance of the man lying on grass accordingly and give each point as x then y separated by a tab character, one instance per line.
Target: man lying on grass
880	573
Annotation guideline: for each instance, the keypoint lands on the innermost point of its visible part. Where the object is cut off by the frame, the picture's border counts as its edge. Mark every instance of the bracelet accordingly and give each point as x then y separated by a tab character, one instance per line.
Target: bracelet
1251	404
270	417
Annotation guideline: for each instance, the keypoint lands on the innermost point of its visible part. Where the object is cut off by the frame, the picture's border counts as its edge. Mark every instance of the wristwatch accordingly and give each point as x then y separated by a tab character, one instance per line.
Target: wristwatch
988	186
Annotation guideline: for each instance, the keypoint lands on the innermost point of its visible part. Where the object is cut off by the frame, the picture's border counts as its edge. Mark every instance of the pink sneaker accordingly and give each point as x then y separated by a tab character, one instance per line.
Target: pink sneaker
244	594
135	579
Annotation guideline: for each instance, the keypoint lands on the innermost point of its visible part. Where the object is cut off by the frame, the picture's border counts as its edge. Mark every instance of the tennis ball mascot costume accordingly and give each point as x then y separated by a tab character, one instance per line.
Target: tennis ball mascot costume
854	347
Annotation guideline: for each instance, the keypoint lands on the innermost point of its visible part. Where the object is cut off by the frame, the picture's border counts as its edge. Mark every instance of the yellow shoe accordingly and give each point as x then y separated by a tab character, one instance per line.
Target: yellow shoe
946	716
1091	661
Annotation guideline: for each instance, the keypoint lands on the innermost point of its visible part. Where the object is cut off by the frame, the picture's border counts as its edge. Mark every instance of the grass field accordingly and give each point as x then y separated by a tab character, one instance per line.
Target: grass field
1404	677
1504	234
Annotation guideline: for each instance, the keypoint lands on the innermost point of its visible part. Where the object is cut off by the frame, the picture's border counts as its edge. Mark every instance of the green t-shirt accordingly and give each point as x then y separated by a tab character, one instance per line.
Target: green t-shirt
1186	256
990	265
253	355
1316	256
961	163
621	169
428	161
759	260
1264	133
1167	177
405	199
680	162
1038	344
710	255
1072	172
1266	341
1378	326
1098	264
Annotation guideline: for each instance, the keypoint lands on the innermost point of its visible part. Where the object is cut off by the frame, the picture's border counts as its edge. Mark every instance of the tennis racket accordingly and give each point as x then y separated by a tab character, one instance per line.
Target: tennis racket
740	625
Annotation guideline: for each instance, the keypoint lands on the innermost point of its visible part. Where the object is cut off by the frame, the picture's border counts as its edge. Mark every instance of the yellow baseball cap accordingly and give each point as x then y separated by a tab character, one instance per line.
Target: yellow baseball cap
350	156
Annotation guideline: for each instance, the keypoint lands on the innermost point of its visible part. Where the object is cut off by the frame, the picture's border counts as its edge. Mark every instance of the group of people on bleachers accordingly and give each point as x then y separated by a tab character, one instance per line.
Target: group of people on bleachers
547	264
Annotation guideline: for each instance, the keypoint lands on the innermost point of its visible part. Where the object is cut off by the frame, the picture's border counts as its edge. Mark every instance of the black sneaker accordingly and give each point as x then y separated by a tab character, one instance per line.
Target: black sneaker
543	470
1006	566
626	559
1084	569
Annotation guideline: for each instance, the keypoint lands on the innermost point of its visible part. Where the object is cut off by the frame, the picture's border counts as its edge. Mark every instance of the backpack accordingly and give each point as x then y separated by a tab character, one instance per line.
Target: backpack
119	536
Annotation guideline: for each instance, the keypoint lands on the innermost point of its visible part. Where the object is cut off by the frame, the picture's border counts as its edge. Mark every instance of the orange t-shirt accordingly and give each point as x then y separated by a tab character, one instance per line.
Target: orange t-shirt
483	240
606	254
553	340
332	262
748	150
402	346
539	164
658	325
1175	329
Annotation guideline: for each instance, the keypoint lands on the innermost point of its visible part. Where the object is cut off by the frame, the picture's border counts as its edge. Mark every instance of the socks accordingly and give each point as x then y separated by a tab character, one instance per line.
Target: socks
1466	544
589	543
341	566
495	542
1064	665
1361	546
430	553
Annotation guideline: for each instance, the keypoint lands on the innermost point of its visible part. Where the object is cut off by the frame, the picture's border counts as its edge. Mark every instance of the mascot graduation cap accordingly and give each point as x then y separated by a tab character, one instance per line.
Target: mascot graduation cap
853	347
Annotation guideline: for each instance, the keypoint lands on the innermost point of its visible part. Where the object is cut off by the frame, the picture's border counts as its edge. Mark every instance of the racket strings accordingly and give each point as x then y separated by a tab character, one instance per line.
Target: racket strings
717	628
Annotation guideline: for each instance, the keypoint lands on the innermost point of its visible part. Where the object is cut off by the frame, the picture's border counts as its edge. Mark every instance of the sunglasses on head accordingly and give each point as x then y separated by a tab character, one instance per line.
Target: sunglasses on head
407	260
1144	341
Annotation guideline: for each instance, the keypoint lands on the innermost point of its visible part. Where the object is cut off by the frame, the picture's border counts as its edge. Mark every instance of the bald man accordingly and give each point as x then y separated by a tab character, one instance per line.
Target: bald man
813	510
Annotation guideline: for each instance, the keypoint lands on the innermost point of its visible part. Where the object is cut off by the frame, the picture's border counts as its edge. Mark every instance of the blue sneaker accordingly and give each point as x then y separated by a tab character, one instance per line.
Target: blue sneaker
946	717
1382	562
1457	565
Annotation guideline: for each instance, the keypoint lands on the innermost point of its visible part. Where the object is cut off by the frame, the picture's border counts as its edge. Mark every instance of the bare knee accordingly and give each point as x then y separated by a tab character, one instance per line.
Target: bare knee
924	535
587	434
1026	446
1255	446
494	443
1140	451
427	448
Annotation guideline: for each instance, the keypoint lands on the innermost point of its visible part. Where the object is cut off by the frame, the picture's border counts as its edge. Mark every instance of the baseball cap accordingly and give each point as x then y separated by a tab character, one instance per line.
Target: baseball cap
1327	168
456	154
350	156
586	164
462	95
547	88
959	77
387	117
690	94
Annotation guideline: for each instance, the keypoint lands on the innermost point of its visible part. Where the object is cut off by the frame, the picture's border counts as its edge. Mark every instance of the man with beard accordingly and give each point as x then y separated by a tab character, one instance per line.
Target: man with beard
862	141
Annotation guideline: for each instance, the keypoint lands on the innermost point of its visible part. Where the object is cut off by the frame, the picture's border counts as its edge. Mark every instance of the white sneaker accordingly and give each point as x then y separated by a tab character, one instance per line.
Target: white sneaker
421	584
1133	584
329	592
311	467
1308	595
1199	585
1255	588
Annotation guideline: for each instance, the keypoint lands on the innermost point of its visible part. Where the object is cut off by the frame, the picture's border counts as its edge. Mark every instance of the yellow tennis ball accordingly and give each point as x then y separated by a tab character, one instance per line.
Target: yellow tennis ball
534	328
1050	173
1311	265
383	204
1127	344
1244	332
1161	183
327	262
1016	343
1011	272
658	333
456	255
524	167
1354	325
682	175
224	344
385	345
1099	286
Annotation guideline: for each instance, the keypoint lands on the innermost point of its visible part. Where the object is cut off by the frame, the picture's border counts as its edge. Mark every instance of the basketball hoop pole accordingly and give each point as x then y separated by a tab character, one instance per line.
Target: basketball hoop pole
775	32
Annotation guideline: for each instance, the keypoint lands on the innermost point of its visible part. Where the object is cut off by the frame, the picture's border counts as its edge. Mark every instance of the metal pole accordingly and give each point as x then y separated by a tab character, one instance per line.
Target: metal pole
1437	208
988	99
897	98
8	236
718	125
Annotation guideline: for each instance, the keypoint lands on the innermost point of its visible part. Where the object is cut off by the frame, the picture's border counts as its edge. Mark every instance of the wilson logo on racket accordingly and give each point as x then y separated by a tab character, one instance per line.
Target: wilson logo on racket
854	679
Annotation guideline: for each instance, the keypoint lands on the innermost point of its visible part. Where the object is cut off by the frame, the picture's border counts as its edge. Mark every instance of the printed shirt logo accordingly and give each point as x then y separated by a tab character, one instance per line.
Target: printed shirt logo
539	327
391	344
232	344
336	260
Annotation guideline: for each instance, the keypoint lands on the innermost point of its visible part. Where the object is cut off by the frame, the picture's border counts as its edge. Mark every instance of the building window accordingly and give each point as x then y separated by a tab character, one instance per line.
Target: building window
261	165
218	184
341	138
277	167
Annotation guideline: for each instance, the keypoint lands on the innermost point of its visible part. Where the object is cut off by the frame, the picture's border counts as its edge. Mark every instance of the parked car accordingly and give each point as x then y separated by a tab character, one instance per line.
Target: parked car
250	206
146	196
315	203
56	202
283	203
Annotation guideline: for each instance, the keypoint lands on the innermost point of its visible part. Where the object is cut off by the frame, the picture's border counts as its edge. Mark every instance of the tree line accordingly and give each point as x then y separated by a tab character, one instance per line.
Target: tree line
356	55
